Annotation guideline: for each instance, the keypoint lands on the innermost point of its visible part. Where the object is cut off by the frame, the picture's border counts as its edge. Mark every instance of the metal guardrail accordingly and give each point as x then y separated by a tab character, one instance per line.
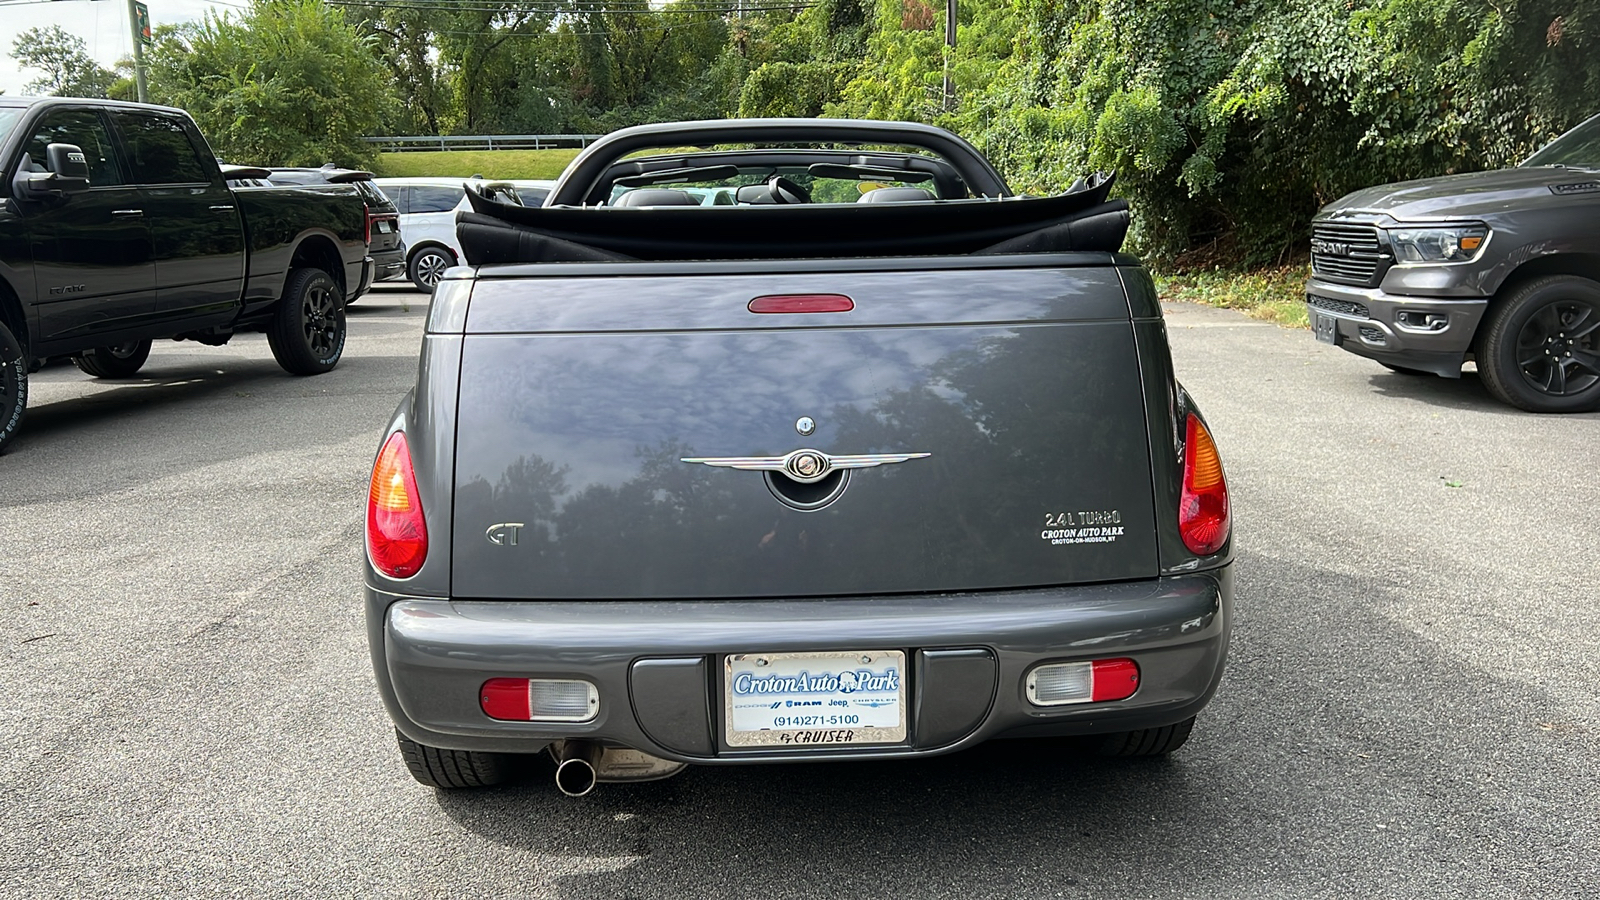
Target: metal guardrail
402	143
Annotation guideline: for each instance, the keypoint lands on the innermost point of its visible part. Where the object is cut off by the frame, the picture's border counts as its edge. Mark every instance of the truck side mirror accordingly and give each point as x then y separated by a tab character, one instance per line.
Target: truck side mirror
70	167
70	175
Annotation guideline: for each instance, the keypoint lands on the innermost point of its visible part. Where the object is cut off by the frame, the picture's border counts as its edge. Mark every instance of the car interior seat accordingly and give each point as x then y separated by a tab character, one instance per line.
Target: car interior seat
894	195
656	197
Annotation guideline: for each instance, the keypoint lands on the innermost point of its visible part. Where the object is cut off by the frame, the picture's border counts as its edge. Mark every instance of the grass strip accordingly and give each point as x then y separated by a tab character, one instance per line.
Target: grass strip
537	164
1275	294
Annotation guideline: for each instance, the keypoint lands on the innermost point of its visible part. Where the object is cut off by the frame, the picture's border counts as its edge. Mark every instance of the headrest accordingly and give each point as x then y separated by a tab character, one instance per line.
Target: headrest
894	195
656	197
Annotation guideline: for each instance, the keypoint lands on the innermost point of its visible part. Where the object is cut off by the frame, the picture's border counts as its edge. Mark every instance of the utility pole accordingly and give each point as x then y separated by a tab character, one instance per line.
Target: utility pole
139	21
950	42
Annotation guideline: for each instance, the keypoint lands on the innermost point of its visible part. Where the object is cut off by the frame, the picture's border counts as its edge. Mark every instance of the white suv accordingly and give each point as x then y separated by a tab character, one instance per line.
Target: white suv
428	208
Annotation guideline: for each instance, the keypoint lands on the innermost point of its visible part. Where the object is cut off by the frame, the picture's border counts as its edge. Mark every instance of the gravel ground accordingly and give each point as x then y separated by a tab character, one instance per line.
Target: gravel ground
1411	707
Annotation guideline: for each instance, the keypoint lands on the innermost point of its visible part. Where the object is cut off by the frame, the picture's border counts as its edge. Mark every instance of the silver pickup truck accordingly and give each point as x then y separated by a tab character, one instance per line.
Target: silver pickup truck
813	442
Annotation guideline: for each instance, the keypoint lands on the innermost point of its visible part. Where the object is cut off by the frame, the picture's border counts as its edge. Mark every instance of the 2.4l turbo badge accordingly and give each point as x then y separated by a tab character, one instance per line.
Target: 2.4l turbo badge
1087	526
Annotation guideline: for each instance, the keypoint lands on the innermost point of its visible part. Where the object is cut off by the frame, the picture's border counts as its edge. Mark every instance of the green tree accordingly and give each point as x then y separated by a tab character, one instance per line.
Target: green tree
69	70
403	38
125	87
1230	122
811	60
452	63
288	82
632	62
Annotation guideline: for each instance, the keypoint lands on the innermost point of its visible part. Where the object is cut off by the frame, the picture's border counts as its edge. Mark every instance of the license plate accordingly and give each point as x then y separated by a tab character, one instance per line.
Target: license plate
815	699
384	227
1326	328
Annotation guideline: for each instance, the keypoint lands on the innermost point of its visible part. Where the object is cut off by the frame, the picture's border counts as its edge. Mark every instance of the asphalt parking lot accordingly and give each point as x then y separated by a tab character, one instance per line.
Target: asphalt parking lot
1411	708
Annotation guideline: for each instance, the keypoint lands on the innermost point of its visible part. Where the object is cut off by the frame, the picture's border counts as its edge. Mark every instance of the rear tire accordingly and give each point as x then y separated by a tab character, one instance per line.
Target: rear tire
1148	741
308	330
427	267
1541	346
453	769
121	361
13	386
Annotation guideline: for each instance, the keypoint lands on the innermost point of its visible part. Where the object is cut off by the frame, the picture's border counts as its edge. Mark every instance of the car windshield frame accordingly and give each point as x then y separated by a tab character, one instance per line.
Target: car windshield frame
1578	148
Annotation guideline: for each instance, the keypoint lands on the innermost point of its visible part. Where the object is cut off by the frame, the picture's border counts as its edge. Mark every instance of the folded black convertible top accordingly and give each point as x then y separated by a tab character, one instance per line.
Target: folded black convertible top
1081	219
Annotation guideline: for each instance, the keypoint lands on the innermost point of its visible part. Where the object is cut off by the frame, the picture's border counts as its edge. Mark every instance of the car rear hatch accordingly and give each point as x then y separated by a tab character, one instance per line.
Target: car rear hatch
383	220
977	427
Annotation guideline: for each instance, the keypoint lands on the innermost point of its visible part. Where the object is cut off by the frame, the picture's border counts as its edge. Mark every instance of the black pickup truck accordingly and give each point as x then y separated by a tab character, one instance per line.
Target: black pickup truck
865	458
117	227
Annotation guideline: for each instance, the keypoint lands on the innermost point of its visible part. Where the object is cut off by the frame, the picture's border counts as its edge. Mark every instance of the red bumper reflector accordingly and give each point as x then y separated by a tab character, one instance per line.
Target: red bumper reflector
505	698
802	303
1114	679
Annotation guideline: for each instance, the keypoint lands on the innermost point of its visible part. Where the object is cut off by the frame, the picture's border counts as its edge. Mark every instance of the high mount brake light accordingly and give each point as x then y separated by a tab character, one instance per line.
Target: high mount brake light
397	533
801	303
1203	507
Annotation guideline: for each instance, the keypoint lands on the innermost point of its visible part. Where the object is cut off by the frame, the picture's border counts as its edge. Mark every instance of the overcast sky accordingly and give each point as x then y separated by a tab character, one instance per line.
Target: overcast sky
102	24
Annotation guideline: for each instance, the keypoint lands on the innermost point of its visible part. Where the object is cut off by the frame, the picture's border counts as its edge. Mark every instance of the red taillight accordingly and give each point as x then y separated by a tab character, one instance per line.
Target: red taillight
1113	679
397	535
802	303
505	698
366	215
1203	508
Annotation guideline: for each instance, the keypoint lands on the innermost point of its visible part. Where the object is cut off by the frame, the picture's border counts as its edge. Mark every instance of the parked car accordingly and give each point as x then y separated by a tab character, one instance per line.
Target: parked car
117	228
787	480
387	245
428	208
1501	268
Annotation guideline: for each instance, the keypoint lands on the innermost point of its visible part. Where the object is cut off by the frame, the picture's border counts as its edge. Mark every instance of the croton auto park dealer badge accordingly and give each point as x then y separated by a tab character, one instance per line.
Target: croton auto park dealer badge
814	699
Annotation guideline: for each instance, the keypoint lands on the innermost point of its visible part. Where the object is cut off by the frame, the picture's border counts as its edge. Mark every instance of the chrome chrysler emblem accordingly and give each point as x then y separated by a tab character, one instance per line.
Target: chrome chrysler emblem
805	466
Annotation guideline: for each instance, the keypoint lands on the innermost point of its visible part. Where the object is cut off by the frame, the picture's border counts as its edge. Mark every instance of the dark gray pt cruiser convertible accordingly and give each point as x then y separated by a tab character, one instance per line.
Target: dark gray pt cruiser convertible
812	443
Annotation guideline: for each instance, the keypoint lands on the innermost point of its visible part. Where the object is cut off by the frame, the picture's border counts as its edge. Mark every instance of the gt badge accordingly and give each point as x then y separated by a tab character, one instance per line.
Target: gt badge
504	534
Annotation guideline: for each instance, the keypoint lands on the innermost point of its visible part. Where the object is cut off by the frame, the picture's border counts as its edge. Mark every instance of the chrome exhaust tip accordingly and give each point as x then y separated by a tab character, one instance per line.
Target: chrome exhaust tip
576	765
580	765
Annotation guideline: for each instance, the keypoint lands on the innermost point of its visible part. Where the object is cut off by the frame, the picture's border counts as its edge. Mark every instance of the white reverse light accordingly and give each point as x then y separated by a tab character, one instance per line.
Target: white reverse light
1059	684
562	701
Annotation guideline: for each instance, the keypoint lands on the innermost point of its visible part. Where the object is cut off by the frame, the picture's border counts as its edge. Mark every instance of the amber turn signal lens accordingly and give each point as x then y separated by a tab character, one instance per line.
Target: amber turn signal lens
1471	243
1203	518
397	533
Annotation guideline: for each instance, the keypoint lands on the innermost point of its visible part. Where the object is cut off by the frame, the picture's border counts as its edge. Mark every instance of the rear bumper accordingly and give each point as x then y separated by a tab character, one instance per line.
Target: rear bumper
388	264
1391	327
366	279
658	664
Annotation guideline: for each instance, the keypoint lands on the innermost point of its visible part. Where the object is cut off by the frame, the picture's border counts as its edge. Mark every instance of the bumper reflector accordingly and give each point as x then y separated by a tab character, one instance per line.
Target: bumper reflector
539	700
1059	684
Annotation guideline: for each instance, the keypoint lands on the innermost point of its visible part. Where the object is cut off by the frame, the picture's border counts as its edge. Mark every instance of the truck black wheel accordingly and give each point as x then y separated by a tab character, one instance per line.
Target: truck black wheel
1541	346
427	267
121	361
451	769
13	385
1148	741
307	332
